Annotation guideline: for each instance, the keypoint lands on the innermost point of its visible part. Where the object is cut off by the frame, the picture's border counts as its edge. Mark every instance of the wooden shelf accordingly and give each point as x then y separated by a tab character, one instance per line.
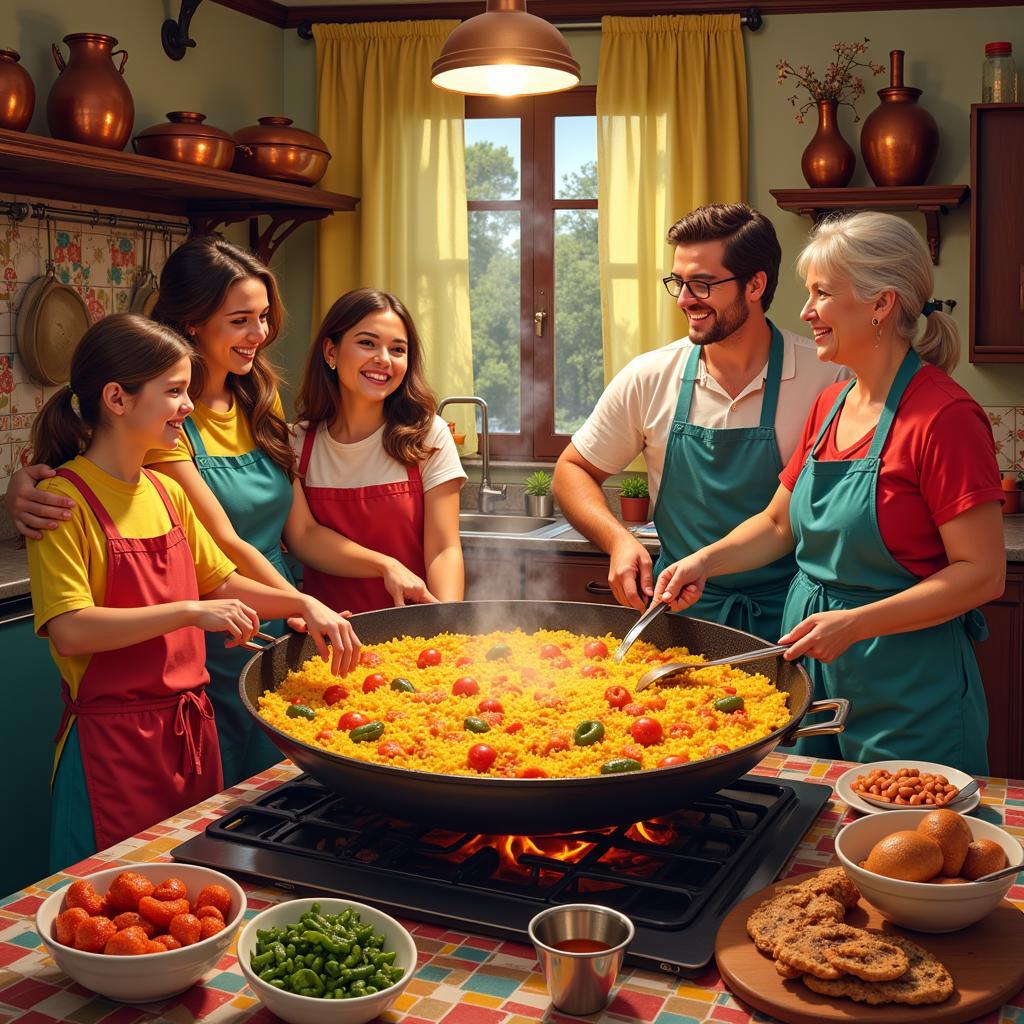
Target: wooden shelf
930	200
37	166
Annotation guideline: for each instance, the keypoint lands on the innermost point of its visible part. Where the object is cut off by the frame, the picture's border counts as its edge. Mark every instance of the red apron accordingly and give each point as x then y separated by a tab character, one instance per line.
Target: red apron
145	725
383	517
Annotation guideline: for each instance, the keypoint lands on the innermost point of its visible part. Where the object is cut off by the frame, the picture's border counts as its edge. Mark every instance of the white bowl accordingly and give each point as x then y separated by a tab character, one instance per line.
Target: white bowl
296	1009
844	785
922	906
143	979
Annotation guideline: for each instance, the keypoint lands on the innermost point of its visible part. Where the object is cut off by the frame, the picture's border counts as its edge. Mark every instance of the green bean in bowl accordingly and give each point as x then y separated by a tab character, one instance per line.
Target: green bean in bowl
326	960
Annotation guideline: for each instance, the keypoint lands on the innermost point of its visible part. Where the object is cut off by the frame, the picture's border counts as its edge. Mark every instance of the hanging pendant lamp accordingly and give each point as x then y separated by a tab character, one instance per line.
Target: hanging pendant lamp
506	51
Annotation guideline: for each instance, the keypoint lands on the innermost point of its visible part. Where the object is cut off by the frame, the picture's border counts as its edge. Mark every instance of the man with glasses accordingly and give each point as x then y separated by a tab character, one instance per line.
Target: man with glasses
716	416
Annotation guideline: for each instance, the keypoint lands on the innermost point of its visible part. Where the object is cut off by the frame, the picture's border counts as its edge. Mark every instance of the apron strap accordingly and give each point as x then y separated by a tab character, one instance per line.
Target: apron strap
307	448
910	365
836	406
194	438
164	497
773	378
110	531
682	414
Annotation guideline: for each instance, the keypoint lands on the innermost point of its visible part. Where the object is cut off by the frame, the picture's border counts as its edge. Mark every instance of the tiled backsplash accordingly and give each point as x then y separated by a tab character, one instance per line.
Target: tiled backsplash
1008	429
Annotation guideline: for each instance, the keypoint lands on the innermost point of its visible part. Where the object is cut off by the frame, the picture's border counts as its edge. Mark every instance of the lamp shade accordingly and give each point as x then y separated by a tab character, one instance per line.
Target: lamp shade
506	51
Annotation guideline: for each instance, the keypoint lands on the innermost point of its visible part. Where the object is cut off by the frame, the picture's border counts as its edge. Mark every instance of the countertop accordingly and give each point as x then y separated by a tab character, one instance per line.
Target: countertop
14	561
462	978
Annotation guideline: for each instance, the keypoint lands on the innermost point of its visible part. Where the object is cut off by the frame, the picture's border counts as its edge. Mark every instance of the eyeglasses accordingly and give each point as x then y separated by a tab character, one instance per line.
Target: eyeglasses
698	289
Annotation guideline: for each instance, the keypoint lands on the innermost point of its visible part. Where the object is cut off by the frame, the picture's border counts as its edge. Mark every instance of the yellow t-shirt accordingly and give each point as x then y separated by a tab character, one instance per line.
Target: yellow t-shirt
223	433
68	566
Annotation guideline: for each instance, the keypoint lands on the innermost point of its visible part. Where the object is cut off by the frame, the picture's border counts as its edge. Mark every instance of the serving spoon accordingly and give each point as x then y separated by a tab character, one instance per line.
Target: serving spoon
1001	873
653	610
676	668
969	790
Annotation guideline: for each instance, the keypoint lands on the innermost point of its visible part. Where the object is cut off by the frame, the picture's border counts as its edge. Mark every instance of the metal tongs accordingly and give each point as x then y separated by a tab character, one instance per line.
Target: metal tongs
653	610
662	672
250	646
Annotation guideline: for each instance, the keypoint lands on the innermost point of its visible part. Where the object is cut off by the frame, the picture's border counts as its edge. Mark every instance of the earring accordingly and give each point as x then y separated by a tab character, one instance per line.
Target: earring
330	363
877	326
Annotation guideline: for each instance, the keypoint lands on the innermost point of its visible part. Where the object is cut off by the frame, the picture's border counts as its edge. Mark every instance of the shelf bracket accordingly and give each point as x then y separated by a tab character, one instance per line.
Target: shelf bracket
931	227
264	243
174	34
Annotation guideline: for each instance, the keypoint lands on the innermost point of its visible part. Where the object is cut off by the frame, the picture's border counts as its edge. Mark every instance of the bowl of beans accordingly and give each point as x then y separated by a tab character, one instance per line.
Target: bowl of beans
901	785
326	960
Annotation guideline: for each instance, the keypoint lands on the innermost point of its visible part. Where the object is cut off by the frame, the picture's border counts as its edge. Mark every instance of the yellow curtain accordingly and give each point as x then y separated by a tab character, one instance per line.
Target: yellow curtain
397	144
671	136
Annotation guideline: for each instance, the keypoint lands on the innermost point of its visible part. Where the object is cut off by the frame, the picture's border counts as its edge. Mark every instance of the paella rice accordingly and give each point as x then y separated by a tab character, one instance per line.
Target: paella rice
551	704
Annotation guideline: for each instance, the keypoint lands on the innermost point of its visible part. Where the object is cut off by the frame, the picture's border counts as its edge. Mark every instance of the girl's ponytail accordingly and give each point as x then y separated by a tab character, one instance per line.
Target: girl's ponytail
58	432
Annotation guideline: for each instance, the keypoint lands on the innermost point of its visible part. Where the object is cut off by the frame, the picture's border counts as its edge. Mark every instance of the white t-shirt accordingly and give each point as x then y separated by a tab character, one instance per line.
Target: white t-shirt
635	413
365	463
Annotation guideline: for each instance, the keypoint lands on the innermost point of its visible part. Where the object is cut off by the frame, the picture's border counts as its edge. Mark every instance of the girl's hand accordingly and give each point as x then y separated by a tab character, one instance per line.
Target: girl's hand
823	636
682	583
227	615
330	627
31	509
404	586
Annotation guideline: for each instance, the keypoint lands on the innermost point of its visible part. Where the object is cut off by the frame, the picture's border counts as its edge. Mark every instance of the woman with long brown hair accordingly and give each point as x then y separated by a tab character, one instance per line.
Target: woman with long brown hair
375	461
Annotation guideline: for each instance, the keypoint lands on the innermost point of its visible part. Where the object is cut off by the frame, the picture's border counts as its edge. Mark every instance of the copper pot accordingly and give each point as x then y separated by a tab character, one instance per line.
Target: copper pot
274	149
17	93
184	137
828	160
90	101
900	140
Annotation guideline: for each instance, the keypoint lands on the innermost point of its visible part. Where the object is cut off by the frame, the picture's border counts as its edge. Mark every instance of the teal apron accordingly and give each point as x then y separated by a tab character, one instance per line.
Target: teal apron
256	494
913	696
713	481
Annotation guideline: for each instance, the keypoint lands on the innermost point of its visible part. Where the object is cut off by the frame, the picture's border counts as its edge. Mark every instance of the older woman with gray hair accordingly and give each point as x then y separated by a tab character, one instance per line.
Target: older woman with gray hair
891	505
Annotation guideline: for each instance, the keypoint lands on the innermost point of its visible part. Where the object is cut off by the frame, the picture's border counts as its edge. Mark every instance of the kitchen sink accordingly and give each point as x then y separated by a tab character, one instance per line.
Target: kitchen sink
479	524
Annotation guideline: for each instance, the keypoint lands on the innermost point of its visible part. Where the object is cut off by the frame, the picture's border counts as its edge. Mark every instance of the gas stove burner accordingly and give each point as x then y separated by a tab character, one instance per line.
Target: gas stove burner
675	876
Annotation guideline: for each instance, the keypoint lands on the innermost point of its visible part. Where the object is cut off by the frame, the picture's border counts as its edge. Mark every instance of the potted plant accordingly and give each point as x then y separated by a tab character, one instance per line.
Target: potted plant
1011	492
634	499
539	501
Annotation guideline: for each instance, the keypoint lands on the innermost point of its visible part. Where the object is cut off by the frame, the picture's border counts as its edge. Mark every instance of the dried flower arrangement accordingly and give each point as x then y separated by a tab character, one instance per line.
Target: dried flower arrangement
839	83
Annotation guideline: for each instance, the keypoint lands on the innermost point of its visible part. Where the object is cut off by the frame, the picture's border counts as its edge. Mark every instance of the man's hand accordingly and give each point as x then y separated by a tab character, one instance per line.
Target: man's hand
631	573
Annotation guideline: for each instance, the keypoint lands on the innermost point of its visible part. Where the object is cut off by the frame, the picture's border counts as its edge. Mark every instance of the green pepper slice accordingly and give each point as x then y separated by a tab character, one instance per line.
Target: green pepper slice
402	685
300	711
587	733
474	724
366	733
620	764
728	704
499	652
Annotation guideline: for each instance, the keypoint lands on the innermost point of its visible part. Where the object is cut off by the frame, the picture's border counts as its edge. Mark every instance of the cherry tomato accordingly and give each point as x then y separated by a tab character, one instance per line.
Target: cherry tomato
667	762
513	727
729	689
561	662
463	660
678	729
595	649
633	709
617	696
465	686
489	704
481	757
531	773
390	748
655	703
715	749
324	735
371	683
429	656
647	731
593	671
368	659
334	693
296	700
550	651
351	720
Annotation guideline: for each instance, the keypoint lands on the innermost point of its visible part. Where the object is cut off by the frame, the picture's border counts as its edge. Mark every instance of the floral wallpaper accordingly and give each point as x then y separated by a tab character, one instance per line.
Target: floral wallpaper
101	263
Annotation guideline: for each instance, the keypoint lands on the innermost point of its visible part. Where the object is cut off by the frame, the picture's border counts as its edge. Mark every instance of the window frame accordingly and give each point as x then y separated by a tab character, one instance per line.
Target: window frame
537	207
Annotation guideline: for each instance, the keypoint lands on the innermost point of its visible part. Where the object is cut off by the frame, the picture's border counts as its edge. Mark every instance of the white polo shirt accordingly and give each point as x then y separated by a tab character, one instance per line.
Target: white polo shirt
635	413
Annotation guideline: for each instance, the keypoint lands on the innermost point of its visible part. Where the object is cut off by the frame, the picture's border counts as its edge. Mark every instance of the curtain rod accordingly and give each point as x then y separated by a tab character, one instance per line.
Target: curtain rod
751	18
43	211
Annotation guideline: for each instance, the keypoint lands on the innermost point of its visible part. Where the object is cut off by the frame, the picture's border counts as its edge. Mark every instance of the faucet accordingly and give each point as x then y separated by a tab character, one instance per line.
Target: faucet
488	494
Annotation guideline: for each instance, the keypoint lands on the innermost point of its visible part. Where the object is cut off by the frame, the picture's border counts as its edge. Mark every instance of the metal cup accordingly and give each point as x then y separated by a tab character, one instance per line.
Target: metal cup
580	982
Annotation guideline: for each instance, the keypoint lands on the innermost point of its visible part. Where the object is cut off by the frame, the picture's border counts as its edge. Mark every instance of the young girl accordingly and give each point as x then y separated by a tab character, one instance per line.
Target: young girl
375	461
117	588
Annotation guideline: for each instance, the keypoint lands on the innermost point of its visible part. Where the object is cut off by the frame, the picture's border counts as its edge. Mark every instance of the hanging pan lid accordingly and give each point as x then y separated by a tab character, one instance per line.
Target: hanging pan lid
51	320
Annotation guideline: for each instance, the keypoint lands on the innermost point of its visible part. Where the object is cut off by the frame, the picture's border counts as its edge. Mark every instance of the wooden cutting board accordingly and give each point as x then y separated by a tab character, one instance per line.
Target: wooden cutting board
985	961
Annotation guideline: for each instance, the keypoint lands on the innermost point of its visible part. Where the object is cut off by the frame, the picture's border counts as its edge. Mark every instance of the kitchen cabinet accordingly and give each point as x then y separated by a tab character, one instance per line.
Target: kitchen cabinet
568	578
997	234
32	710
1001	659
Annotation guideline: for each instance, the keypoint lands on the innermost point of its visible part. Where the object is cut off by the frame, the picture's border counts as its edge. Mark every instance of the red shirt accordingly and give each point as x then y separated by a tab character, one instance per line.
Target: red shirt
938	461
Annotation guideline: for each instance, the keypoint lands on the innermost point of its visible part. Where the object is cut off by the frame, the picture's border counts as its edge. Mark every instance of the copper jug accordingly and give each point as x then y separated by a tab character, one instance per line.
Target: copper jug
90	101
17	93
899	140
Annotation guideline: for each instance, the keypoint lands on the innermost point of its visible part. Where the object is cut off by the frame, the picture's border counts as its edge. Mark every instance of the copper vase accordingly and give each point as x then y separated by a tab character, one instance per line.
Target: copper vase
900	140
17	93
828	160
90	101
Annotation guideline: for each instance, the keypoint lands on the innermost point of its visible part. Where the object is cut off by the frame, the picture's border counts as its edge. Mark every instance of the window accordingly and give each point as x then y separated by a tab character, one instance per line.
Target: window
531	179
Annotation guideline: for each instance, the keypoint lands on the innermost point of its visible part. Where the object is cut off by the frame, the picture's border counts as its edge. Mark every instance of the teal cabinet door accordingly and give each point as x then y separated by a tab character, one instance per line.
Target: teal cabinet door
31	713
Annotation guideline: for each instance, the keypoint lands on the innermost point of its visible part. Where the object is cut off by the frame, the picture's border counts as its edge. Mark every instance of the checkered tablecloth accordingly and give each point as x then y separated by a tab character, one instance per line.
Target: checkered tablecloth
462	979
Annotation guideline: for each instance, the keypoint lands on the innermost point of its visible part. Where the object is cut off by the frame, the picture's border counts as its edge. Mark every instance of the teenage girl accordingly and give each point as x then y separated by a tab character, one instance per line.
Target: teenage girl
376	463
123	590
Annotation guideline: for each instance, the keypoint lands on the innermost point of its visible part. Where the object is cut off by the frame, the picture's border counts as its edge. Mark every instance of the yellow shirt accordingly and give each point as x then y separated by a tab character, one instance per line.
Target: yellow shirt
68	566
223	433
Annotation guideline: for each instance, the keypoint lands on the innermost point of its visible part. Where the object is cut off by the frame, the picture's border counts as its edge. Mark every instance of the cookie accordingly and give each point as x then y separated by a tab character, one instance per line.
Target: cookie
792	908
871	959
925	981
805	948
833	882
785	971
